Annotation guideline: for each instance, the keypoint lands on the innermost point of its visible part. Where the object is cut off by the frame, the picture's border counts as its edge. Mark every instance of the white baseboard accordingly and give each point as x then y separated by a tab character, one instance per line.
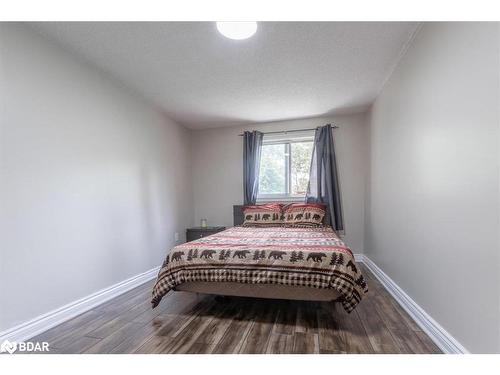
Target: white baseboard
42	323
444	340
358	258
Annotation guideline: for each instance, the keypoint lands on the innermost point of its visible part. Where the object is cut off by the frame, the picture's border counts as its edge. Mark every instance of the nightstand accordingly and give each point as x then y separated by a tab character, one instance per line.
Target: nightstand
200	232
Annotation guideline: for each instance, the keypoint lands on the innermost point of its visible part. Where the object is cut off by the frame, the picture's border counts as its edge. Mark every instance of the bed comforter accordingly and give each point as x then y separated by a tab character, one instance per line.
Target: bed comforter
311	257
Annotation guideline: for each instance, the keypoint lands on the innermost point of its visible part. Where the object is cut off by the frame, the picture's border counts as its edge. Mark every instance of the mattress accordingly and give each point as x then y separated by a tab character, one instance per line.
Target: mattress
300	293
268	262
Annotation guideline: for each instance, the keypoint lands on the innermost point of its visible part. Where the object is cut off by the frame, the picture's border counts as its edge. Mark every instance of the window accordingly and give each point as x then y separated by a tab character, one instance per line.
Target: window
284	166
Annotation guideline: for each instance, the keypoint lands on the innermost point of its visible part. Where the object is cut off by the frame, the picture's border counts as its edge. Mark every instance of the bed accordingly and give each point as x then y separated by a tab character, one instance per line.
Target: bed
265	262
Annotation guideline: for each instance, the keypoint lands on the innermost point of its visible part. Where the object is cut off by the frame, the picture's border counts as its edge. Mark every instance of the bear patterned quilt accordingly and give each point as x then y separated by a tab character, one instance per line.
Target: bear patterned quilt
310	257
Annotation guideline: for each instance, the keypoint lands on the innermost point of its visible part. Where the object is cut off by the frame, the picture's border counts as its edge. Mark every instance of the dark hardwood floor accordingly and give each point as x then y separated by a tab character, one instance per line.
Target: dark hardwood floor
190	323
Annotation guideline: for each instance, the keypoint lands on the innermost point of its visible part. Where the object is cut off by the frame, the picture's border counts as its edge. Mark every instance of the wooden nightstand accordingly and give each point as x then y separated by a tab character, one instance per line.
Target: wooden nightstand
200	232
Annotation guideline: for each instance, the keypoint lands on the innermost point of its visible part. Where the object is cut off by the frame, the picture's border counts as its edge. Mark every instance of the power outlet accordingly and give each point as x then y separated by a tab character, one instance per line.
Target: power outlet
176	236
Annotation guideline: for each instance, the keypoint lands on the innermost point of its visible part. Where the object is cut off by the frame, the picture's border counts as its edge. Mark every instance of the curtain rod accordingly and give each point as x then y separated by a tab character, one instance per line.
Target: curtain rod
292	131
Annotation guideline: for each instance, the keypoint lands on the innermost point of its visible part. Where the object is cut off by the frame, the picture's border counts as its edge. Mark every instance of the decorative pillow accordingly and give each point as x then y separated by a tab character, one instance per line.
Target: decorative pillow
304	214
263	214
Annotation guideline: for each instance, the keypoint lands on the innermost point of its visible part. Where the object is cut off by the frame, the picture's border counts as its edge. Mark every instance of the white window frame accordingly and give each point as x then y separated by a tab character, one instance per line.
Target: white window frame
287	139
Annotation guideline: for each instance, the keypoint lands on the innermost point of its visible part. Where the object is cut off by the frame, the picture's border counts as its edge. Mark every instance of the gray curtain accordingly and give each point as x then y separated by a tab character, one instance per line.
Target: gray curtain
323	177
252	147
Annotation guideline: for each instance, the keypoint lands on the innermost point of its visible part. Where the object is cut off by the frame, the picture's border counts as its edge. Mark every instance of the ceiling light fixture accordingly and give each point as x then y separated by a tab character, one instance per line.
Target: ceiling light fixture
237	30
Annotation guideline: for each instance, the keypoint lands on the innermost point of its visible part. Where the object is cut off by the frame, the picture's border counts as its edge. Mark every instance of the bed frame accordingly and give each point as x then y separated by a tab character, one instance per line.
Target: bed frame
238	216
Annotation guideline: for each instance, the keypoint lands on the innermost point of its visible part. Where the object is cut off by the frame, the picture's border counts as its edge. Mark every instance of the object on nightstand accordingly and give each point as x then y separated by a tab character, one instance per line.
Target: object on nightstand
200	232
203	223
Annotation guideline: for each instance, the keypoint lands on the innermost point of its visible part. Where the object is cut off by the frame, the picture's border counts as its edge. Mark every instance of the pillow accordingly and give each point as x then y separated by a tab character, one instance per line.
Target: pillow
304	214
263	215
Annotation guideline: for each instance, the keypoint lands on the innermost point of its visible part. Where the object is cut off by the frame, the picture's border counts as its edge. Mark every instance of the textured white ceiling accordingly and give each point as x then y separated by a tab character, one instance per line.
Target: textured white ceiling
202	79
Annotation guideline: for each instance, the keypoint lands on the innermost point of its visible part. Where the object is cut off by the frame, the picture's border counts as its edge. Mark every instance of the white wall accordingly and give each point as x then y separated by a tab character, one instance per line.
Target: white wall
432	213
93	181
218	174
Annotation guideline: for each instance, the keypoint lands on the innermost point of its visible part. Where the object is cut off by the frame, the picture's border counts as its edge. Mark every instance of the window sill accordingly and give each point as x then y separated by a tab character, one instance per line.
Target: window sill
280	199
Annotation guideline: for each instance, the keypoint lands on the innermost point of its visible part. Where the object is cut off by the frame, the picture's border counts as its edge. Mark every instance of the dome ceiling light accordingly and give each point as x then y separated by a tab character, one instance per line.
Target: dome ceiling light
237	30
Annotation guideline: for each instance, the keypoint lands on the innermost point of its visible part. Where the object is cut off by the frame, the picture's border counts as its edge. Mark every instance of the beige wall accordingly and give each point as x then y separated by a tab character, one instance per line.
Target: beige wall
218	175
432	212
93	181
